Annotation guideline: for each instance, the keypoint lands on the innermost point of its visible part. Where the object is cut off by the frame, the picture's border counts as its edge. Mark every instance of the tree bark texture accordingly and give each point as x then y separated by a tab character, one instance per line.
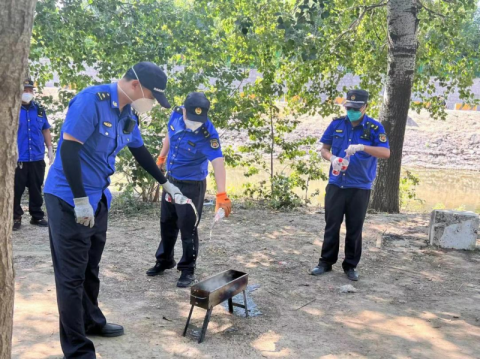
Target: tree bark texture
402	23
16	20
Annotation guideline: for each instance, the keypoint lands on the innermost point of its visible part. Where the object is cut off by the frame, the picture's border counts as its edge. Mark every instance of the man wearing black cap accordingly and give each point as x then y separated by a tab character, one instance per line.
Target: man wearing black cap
352	144
191	142
33	135
100	122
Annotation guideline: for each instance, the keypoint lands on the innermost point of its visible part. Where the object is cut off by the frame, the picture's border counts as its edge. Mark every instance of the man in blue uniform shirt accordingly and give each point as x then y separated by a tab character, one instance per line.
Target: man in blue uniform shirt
33	135
362	140
99	123
191	142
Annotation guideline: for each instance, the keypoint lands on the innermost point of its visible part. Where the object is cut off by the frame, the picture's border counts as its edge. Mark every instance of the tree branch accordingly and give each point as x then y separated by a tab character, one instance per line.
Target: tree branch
356	22
430	10
368	7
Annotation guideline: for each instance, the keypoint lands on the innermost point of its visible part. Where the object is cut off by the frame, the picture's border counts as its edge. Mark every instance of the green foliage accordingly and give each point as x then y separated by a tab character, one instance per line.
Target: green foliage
408	184
127	203
347	37
280	194
300	49
439	206
310	170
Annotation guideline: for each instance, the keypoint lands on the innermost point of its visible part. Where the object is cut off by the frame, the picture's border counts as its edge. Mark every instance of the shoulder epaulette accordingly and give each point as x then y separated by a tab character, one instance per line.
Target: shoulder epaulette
103	95
178	109
205	131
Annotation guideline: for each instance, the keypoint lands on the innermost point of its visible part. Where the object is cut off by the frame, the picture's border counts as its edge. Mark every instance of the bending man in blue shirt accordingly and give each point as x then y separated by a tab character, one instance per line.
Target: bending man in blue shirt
191	142
33	135
99	123
362	140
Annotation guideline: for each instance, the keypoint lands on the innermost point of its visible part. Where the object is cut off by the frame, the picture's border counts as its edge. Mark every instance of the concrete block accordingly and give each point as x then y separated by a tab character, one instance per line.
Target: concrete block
453	229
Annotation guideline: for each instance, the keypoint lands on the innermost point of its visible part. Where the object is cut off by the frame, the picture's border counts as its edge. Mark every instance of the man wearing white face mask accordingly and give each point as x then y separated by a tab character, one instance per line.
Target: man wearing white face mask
191	142
99	123
33	135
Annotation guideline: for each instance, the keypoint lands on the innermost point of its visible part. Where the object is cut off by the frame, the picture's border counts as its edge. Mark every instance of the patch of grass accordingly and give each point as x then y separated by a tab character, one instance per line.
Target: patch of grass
128	204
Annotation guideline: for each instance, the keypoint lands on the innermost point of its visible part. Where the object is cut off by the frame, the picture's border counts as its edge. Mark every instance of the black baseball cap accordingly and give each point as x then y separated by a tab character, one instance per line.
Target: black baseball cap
151	77
356	99
197	106
28	83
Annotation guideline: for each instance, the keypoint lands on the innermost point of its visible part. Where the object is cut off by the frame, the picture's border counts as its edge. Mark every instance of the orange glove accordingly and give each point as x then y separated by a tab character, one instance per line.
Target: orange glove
161	162
223	202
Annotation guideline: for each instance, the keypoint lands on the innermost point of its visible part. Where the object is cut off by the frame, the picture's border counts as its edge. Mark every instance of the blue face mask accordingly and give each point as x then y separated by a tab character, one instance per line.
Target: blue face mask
354	115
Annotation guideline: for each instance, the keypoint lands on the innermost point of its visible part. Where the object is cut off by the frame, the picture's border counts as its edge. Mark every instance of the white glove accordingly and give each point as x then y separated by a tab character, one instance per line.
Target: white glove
50	155
172	190
84	212
352	149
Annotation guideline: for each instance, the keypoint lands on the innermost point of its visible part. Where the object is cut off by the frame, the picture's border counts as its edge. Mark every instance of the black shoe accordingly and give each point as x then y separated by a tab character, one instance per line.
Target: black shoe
186	279
322	268
39	222
352	274
160	267
110	330
17	223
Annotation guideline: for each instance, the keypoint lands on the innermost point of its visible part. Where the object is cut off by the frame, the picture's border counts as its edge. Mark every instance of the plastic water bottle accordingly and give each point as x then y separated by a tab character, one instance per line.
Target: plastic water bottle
218	216
181	199
344	162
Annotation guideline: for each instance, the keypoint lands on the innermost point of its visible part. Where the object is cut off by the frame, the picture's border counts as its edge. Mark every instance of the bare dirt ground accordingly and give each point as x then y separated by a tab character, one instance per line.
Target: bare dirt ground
413	301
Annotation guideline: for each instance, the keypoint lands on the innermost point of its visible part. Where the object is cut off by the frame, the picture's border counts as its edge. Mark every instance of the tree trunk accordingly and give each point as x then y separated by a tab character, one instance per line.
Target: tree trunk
16	20
402	32
272	153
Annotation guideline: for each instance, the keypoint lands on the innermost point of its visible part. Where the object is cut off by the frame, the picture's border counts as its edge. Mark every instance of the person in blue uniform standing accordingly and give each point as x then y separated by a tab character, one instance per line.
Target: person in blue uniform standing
33	135
100	122
362	140
191	142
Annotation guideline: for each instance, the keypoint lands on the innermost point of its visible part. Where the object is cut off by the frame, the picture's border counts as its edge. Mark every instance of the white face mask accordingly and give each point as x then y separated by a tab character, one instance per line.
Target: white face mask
141	105
192	125
27	97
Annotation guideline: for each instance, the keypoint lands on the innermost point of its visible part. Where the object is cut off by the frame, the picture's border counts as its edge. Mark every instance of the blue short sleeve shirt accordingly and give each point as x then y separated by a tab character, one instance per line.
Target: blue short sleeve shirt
190	150
31	143
362	168
94	118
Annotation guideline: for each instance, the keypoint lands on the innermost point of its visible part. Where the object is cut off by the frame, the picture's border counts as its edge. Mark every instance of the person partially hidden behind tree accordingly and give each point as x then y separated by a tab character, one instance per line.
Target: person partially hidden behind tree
33	135
360	140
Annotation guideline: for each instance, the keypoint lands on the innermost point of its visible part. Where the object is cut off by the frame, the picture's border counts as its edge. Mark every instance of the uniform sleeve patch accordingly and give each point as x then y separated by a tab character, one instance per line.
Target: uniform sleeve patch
214	143
382	137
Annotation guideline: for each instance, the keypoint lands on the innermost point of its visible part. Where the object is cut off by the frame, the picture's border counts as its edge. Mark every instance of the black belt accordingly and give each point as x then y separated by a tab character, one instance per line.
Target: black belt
174	180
